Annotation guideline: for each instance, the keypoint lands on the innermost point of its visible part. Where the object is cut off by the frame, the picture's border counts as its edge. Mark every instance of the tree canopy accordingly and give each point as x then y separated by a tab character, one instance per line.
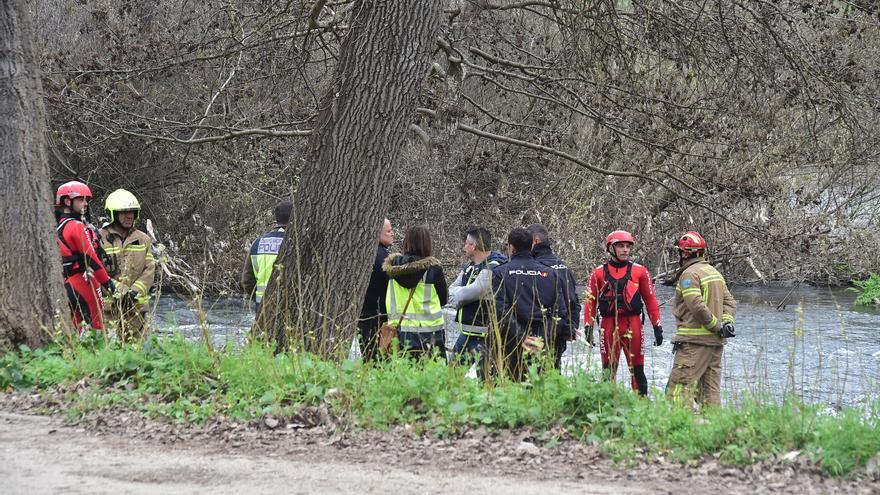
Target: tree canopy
753	122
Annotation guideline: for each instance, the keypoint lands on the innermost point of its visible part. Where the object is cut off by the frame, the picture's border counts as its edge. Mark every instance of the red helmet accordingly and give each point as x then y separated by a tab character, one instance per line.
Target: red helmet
72	189
618	236
691	242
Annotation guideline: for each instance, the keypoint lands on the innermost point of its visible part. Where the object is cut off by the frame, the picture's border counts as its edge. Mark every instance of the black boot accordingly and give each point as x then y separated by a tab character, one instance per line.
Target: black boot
641	380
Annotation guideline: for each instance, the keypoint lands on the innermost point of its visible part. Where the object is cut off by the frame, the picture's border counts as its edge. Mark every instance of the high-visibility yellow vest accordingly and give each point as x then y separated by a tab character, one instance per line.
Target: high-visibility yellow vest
423	314
264	252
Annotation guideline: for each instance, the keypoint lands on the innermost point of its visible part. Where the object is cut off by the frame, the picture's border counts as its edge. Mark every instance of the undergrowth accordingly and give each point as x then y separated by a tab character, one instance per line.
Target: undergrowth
184	381
868	289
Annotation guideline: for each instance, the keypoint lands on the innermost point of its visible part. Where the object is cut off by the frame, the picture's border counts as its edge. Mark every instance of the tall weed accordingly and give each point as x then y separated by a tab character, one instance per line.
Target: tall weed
187	381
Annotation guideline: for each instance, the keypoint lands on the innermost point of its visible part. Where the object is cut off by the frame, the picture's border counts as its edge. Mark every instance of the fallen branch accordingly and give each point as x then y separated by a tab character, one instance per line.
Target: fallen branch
175	269
755	269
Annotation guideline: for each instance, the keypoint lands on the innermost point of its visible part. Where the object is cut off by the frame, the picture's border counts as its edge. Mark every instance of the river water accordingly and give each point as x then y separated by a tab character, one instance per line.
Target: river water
818	346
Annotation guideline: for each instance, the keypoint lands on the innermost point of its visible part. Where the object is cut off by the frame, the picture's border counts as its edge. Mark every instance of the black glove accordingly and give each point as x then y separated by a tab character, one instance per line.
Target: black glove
589	331
110	286
658	335
129	299
727	331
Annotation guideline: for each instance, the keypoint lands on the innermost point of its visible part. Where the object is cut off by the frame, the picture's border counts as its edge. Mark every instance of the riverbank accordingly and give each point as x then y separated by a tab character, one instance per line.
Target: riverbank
188	387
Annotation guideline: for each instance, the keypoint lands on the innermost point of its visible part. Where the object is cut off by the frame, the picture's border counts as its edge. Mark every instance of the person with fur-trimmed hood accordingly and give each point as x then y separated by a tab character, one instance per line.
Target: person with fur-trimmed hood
416	294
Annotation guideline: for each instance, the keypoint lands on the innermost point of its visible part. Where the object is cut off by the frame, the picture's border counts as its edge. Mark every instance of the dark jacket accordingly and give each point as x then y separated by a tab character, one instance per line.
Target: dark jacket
545	255
374	299
408	269
528	297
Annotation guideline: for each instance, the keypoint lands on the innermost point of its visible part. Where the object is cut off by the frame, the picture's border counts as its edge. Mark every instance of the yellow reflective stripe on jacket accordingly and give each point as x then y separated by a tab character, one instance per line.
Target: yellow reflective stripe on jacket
693	291
726	318
707	330
139	286
693	331
705	281
710	275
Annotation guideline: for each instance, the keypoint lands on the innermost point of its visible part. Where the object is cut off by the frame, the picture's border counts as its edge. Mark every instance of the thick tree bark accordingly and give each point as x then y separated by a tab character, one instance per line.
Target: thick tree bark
318	282
32	302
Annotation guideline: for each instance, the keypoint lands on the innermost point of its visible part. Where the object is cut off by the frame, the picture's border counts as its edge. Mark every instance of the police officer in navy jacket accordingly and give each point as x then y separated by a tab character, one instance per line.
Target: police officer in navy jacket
529	303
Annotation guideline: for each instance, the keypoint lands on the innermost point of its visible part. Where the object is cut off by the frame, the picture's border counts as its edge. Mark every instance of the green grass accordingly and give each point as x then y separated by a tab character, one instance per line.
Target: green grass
868	289
183	381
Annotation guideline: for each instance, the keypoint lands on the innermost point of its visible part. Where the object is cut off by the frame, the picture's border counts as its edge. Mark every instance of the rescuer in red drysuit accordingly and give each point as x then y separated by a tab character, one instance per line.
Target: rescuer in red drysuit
84	273
618	291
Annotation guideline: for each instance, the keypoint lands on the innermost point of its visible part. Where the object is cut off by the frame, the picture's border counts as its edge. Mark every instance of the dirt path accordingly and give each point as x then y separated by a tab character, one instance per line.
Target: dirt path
121	451
40	455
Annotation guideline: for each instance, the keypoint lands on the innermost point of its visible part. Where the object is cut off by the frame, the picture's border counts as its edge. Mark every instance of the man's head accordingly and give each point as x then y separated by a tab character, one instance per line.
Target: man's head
73	196
477	243
282	213
518	240
539	234
386	236
79	205
619	245
690	245
125	219
123	208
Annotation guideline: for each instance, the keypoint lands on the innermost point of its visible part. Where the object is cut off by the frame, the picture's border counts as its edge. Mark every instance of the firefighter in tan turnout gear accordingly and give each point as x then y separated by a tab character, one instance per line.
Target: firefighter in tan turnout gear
130	263
704	310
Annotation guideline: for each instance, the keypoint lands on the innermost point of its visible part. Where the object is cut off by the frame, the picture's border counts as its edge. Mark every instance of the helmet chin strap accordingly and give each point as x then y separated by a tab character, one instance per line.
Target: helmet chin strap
684	255
614	255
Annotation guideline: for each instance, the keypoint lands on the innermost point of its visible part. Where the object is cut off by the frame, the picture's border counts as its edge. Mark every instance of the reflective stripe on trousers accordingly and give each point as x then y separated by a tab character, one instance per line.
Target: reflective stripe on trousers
474	330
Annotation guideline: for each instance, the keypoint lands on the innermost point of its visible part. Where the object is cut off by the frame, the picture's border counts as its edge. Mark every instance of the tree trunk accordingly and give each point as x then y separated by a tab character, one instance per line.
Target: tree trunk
32	301
321	273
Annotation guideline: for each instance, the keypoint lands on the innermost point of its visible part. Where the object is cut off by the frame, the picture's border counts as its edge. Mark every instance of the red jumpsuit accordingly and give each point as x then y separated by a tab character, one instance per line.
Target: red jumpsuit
84	274
628	335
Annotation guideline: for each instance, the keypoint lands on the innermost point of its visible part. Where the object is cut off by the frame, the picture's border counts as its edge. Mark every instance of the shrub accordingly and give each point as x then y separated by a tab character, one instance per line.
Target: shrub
869	291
